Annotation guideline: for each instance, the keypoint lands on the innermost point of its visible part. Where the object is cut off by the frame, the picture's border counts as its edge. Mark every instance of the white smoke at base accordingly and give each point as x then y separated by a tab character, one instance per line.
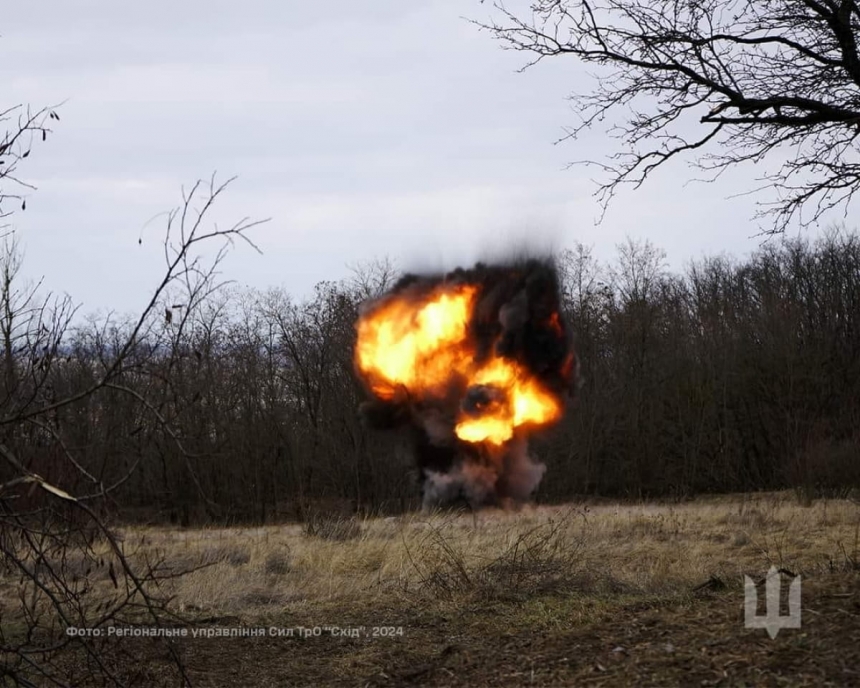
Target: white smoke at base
513	473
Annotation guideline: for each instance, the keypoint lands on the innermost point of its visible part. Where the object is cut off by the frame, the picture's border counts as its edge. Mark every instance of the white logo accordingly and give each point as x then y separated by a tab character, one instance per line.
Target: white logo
772	620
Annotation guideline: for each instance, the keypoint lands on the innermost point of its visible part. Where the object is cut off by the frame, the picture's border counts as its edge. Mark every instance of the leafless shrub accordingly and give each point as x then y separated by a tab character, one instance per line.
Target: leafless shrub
332	526
541	559
71	569
747	516
235	555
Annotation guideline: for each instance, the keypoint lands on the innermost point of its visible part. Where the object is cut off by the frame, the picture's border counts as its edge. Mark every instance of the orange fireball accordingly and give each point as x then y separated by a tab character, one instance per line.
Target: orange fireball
421	345
415	346
525	402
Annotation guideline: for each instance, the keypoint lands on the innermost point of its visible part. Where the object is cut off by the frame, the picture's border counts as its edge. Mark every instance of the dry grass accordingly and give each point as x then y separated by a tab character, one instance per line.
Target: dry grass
540	569
422	558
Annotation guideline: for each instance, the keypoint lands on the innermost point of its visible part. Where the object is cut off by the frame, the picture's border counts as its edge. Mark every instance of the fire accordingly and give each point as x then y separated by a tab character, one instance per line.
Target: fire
415	347
524	401
424	347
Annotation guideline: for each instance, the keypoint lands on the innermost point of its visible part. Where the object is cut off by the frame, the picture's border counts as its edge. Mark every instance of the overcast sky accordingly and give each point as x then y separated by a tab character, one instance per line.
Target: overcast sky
361	129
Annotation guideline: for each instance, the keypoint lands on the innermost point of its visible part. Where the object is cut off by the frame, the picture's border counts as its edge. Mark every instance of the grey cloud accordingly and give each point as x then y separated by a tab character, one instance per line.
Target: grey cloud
362	129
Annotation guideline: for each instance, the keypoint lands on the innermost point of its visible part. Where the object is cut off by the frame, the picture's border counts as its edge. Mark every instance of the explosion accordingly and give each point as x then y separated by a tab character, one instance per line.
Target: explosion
473	361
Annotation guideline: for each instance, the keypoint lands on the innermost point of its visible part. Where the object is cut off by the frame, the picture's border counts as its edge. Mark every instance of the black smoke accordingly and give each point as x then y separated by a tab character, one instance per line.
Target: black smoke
517	316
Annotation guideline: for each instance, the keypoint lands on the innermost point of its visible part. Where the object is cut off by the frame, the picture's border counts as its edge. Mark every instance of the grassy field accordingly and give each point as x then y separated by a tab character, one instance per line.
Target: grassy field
587	594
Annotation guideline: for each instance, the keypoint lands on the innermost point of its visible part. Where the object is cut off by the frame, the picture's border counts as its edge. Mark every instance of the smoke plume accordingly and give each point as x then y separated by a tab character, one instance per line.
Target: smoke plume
472	362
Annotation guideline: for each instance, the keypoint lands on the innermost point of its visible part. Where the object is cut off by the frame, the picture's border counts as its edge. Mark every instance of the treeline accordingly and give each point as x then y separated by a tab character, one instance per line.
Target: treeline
735	376
241	406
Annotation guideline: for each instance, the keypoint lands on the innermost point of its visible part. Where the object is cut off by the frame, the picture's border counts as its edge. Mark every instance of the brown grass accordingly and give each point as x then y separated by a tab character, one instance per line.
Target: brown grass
432	557
544	570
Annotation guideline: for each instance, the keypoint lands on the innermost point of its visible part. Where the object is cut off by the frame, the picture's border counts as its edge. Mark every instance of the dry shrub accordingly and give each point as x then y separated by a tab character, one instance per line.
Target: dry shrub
660	526
332	527
235	555
538	556
748	516
540	559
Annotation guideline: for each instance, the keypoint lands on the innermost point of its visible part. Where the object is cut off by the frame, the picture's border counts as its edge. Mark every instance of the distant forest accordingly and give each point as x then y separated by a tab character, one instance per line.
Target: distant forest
736	375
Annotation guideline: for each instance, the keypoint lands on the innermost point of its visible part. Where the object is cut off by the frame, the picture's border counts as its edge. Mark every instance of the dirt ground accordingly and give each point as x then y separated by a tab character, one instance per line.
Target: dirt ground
602	594
694	639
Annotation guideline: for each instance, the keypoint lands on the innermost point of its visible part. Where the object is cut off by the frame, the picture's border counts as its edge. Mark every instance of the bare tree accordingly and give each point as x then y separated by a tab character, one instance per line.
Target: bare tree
23	127
372	278
54	536
725	81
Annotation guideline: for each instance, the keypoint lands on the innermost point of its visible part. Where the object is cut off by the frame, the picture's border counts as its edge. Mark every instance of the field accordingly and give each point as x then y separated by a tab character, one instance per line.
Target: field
586	594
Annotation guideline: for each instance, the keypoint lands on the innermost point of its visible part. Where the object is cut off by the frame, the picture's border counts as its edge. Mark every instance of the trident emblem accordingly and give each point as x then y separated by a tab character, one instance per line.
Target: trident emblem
772	620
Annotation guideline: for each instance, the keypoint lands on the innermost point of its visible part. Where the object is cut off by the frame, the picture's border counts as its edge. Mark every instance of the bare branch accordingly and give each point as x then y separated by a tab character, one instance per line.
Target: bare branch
765	77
